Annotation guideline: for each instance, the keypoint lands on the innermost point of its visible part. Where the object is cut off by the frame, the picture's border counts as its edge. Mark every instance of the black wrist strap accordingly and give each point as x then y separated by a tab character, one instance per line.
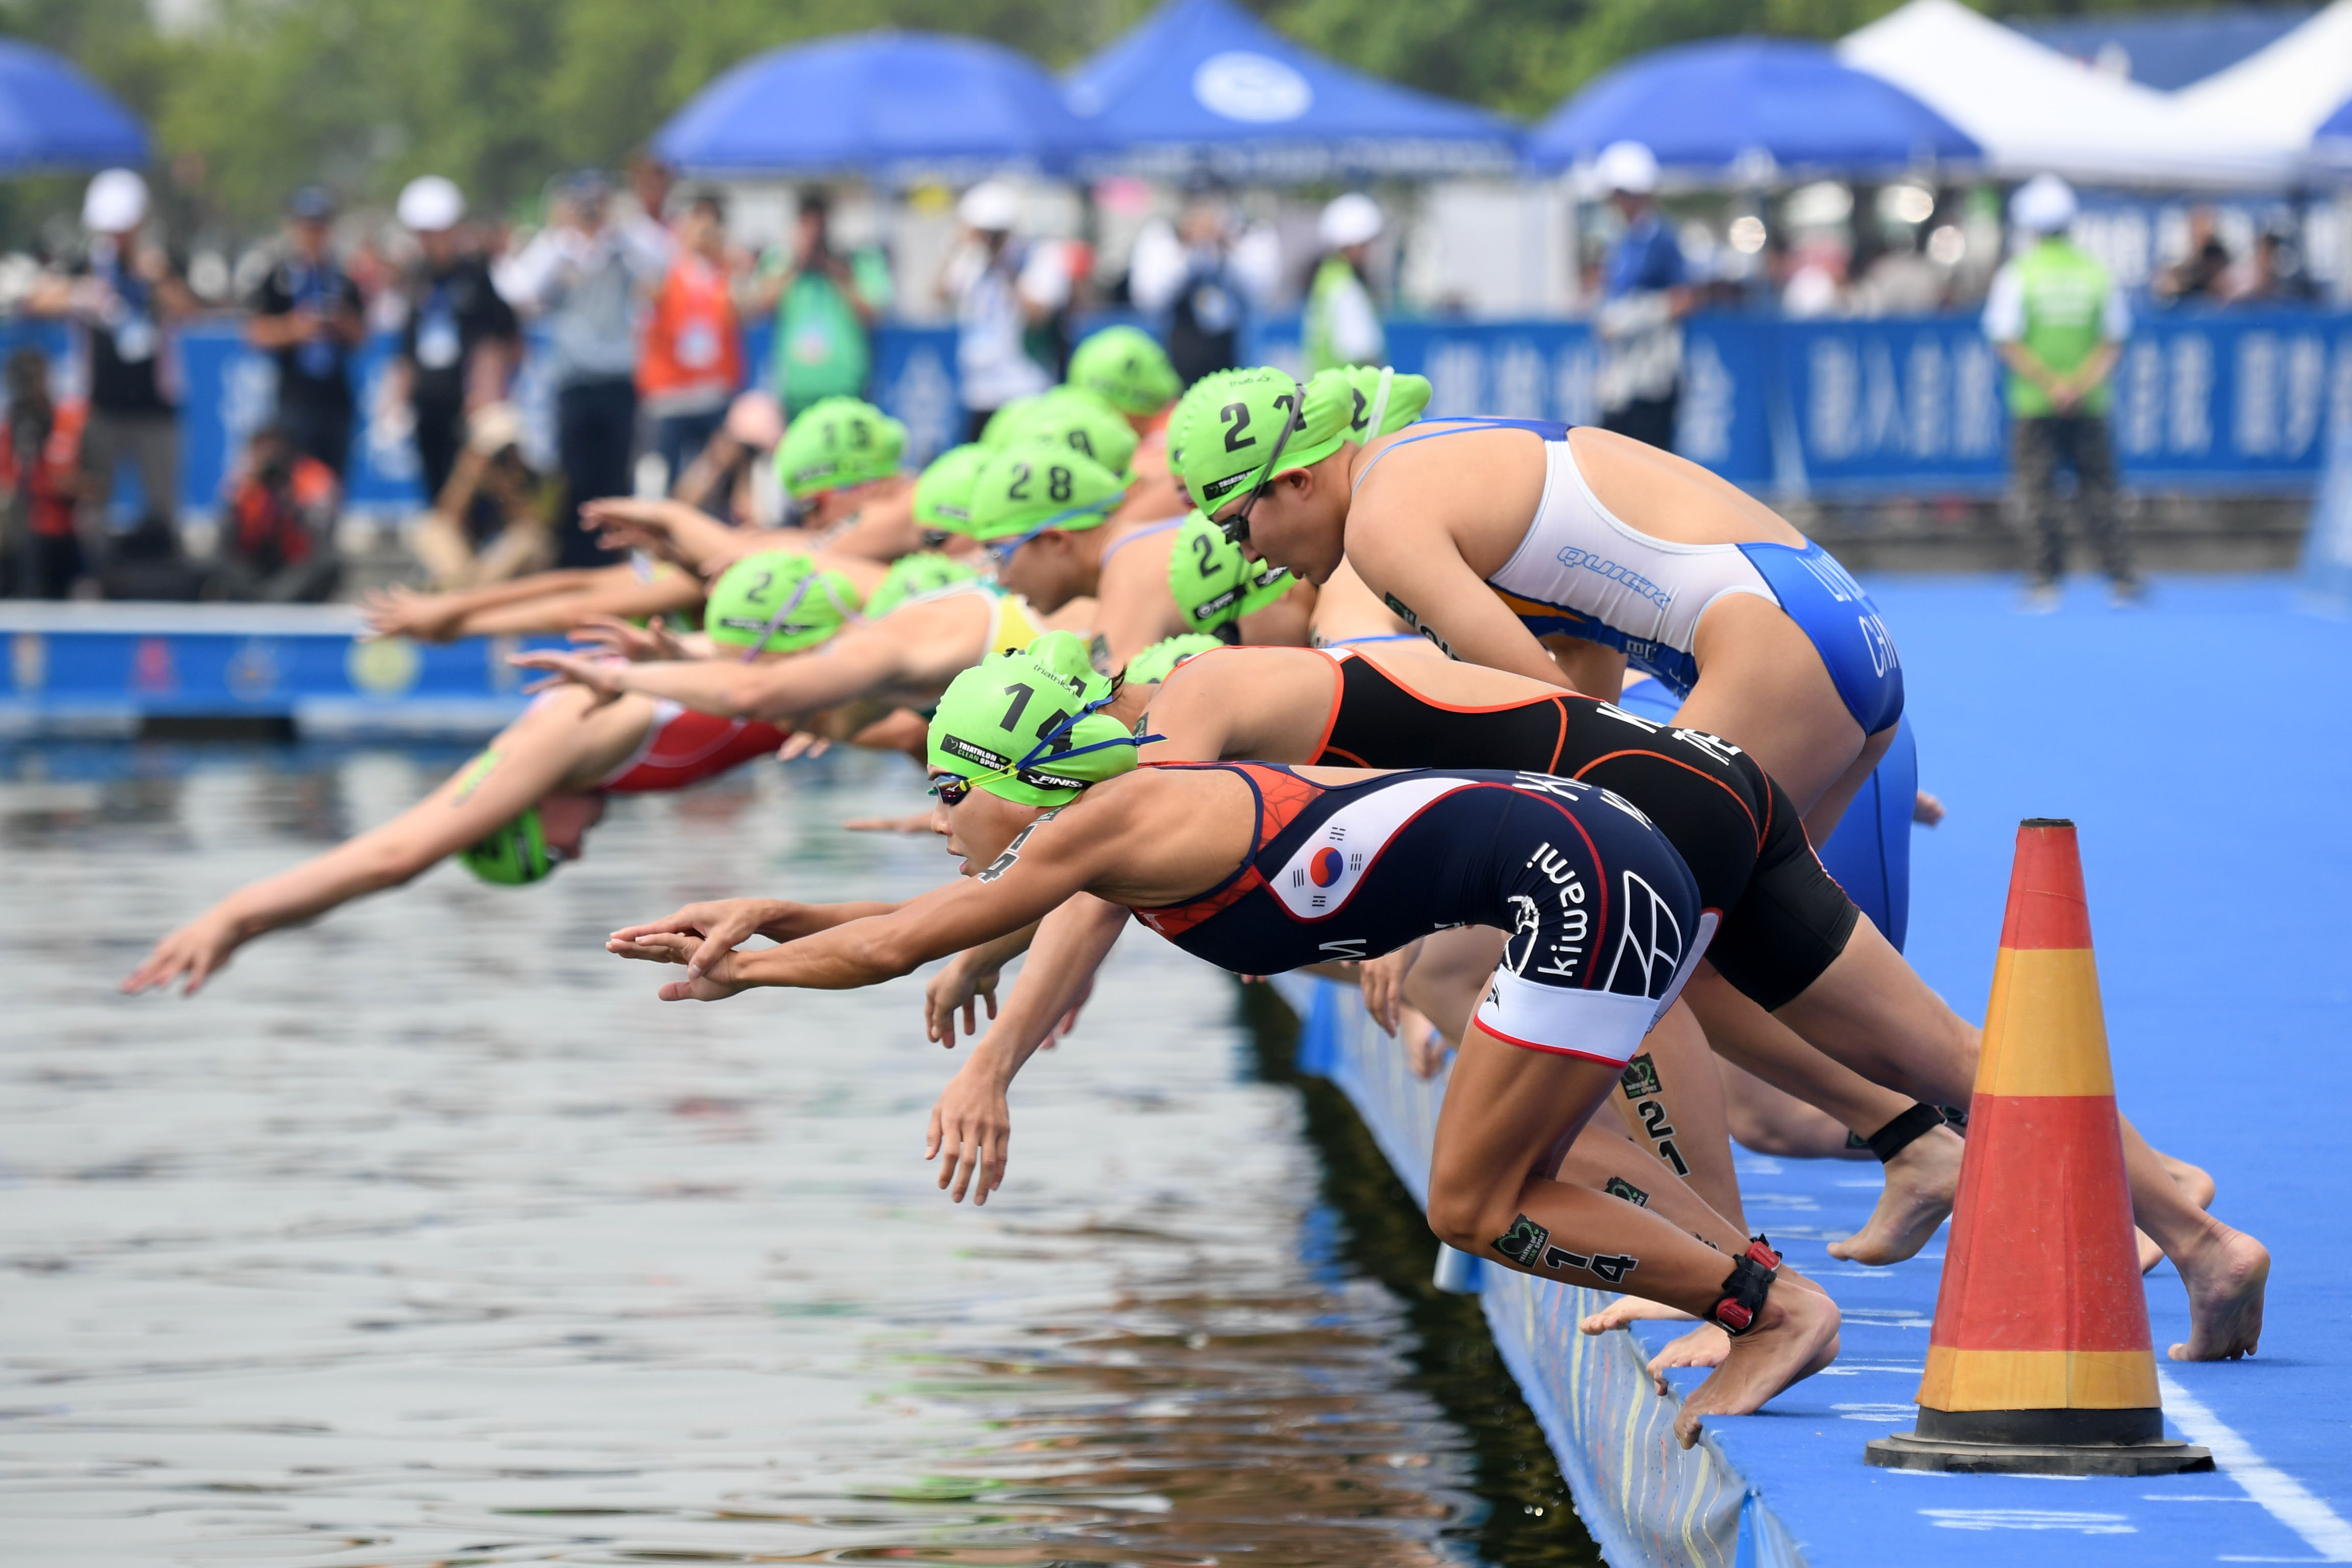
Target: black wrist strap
1904	1130
1744	1292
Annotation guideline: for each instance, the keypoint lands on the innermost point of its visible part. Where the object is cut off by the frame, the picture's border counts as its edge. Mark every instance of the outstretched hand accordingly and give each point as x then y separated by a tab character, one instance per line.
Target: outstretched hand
712	981
1383	983
630	522
953	988
612	635
971	1125
399	611
595	672
197	951
698	936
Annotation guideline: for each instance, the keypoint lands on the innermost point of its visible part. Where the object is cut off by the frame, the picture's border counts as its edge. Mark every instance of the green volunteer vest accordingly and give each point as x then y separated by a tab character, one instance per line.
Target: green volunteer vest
2065	304
821	345
1315	331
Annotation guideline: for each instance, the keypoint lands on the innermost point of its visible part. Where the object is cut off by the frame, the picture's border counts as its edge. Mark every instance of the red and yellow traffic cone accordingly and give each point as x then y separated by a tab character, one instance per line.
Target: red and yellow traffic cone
2040	1360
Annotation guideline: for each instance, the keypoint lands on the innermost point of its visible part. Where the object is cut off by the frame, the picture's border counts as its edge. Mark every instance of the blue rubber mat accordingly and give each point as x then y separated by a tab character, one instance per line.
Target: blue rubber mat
2204	746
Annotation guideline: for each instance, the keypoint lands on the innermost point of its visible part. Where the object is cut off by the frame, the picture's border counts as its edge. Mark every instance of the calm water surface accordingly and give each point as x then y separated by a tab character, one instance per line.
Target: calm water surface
426	1234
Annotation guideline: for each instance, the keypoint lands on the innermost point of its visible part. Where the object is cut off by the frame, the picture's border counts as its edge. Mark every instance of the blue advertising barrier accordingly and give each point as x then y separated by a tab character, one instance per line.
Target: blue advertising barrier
2239	402
103	669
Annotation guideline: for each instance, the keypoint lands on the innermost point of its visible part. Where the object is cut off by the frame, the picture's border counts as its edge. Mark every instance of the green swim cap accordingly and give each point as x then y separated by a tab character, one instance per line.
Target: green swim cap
777	601
513	854
943	494
1126	368
1159	661
1023	726
925	572
1222	439
1213	583
1038	485
1003	425
1081	421
835	443
1408	395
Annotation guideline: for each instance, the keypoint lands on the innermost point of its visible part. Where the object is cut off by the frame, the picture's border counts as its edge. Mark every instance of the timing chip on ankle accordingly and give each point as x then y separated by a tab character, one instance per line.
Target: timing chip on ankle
1904	1130
1744	1292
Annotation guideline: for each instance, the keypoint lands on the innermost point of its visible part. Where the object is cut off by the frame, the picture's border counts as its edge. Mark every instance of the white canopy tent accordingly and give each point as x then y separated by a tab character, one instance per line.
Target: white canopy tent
2284	90
2034	109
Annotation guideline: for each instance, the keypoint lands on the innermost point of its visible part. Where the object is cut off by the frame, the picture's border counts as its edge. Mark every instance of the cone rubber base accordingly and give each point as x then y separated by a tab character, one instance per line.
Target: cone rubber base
1909	1451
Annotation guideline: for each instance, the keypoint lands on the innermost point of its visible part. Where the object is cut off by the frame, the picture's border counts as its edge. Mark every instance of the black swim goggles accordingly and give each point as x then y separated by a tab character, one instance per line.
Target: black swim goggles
1237	527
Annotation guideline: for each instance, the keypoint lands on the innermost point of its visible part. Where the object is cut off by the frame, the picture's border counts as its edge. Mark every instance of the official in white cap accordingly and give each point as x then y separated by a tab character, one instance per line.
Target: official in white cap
2059	321
1001	287
459	345
1645	292
128	297
1343	324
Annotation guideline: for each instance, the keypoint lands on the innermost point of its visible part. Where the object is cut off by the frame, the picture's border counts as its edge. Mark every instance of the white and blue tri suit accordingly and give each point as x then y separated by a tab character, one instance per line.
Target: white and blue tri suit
1584	573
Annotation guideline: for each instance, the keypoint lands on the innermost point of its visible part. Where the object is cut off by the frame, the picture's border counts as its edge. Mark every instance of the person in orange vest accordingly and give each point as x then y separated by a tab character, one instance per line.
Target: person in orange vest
692	360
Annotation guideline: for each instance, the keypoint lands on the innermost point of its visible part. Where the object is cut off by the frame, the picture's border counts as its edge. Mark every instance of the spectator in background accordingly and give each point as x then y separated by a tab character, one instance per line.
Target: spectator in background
277	539
735	480
459	344
1001	289
40	558
488	523
585	275
2201	273
1644	293
1205	277
308	313
127	297
2275	275
692	358
826	305
2060	322
1343	324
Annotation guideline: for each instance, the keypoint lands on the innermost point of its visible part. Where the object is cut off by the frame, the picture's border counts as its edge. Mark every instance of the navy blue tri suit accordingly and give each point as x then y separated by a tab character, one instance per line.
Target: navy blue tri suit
1605	921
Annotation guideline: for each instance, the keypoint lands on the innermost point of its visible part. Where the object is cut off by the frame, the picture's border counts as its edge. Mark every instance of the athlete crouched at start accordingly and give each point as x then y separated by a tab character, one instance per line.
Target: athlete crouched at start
525	804
1263	868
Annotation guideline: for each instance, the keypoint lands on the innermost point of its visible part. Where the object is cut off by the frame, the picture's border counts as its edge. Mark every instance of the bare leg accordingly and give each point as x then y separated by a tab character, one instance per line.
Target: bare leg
1920	1181
1772	1122
1869	1002
1672	1102
1506	1111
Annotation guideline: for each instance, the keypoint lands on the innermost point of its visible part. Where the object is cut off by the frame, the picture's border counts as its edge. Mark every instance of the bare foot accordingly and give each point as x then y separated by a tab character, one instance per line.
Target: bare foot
2225	1273
1920	1182
1705	1345
1627	1310
1797	1338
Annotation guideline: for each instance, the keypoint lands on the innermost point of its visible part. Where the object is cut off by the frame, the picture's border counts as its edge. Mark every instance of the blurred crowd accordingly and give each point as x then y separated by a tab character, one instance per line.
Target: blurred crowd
637	296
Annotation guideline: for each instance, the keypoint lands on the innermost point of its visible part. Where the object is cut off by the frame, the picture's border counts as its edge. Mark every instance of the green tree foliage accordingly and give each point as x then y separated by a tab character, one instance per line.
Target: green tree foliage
250	98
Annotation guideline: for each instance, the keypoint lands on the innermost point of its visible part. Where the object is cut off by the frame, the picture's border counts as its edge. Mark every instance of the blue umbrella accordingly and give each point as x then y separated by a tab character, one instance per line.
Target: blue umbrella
888	103
1202	84
52	117
1728	105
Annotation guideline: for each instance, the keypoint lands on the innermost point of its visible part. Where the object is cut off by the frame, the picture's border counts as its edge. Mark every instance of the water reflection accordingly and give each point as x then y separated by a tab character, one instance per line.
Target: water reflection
427	1236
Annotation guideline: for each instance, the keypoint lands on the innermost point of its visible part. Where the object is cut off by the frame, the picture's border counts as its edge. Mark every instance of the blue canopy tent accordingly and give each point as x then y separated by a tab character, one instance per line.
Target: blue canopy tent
1747	108
892	104
1201	86
52	117
2332	140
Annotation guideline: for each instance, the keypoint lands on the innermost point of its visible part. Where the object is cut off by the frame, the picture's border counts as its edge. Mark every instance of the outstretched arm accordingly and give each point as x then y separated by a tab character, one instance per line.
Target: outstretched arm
973	1123
1048	862
519	769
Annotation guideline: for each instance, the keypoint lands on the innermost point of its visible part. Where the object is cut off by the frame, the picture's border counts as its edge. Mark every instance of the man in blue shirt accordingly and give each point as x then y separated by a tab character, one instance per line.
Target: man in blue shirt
1645	294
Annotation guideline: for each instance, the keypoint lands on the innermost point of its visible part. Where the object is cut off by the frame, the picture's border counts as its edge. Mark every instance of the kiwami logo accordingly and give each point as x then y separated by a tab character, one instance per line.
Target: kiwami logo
1650	945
